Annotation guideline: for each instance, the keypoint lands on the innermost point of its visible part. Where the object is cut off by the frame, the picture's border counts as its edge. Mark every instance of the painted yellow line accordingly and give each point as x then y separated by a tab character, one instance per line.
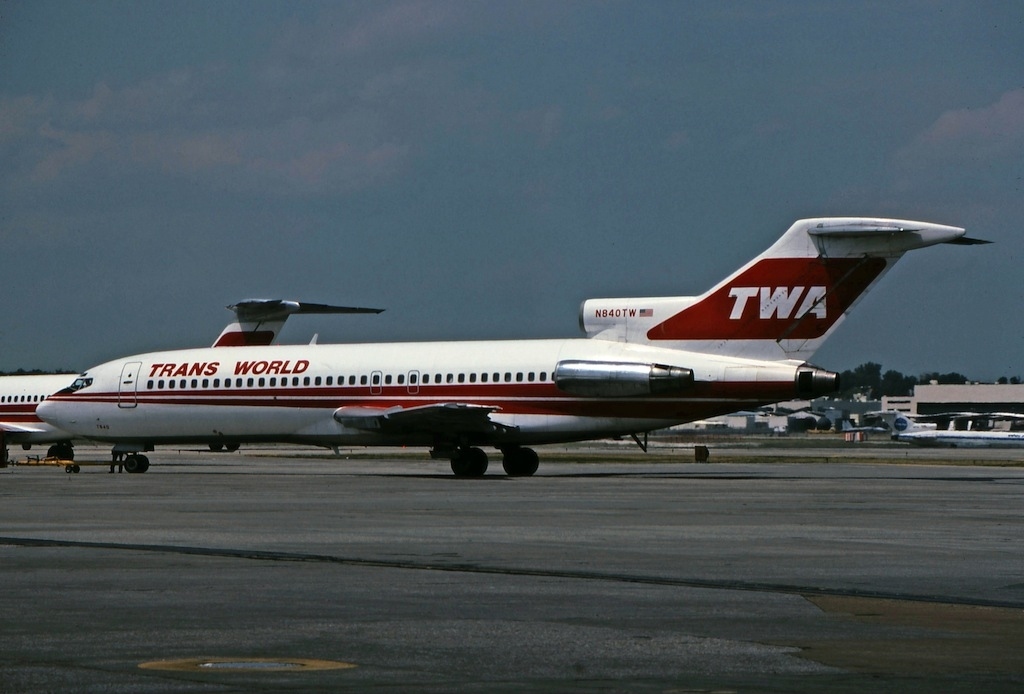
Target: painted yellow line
247	665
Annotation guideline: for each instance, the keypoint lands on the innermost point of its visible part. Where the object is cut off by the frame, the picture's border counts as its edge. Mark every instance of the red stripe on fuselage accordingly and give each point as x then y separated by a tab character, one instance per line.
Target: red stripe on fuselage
532	399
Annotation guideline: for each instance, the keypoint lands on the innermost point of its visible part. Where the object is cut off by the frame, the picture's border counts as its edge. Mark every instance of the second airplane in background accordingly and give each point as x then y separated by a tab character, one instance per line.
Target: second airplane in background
645	364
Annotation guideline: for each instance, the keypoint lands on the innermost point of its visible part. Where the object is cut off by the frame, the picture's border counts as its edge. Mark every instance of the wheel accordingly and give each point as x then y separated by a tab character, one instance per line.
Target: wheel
143	462
469	462
76	468
61	451
232	447
132	462
216	447
520	462
67	469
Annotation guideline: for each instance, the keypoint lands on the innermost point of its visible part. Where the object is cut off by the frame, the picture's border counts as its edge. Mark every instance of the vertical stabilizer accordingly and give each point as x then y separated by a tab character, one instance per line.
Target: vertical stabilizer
784	303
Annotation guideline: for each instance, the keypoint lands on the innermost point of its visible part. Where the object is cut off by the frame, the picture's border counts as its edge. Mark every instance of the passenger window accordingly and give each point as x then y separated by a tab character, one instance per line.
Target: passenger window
376	379
238	383
195	382
519	377
351	380
413	379
472	378
206	383
330	380
260	382
387	380
497	377
529	377
483	377
249	383
451	378
543	375
273	381
508	377
170	384
149	385
295	380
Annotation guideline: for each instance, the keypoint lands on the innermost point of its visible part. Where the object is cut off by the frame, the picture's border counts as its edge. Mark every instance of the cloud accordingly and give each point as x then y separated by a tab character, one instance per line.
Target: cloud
963	136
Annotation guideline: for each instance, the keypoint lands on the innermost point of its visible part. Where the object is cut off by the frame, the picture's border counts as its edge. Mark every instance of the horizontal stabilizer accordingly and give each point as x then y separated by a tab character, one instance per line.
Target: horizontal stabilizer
260	320
270	309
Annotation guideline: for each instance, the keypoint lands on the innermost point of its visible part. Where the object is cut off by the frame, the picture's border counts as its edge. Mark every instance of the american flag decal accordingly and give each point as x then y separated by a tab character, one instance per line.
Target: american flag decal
647	313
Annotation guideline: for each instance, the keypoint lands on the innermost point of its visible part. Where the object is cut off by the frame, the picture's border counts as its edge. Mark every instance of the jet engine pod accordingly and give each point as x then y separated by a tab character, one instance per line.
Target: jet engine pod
608	379
812	382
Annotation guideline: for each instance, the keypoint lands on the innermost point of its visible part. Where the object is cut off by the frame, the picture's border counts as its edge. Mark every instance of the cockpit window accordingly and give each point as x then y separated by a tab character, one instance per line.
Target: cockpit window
80	382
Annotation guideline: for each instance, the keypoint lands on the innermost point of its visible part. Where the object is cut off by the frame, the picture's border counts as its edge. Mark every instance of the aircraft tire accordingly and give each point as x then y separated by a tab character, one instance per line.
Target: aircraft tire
520	462
136	462
62	451
469	462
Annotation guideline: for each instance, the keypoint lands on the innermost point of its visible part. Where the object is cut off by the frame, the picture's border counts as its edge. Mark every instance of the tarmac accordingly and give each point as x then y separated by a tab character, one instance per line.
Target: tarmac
611	570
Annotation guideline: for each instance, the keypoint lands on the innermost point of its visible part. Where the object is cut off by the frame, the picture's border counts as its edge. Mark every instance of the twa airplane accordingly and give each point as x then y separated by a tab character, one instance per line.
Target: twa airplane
19	425
645	364
257	323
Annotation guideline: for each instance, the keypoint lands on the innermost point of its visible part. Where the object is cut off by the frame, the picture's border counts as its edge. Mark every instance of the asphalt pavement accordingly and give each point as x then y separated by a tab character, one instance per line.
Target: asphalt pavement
283	569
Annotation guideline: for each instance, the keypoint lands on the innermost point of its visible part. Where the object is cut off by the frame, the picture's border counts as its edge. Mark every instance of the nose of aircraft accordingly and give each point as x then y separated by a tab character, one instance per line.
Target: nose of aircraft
51	412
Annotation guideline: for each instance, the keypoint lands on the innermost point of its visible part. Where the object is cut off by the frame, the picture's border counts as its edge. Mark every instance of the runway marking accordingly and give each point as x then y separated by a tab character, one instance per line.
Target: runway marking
245	665
573	574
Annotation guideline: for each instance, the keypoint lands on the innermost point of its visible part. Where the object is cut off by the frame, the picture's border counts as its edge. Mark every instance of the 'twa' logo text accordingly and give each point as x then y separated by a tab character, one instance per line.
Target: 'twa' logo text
779	303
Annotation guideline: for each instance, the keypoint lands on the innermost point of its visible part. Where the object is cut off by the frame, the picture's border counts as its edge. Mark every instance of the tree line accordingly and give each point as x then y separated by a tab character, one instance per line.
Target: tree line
869	380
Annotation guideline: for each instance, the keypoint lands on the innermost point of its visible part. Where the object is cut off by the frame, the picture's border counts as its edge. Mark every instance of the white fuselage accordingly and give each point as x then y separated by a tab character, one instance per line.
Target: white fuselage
293	393
963	439
19	397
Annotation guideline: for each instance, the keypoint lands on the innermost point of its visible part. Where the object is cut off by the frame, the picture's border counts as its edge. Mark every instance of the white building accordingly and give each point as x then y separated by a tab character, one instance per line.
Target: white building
932	398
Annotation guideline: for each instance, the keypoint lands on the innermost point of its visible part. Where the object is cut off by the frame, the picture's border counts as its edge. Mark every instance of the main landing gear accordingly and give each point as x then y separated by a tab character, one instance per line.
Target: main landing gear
136	462
472	461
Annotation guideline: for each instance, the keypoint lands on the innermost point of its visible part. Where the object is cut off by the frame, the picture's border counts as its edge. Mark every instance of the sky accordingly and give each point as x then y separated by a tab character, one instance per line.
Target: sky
479	169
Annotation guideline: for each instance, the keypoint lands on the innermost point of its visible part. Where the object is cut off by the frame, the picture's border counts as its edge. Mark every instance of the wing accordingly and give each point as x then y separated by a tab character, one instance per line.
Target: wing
12	428
448	419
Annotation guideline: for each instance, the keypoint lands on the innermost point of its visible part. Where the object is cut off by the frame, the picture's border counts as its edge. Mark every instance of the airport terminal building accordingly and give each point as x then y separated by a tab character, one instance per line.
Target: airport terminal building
971	397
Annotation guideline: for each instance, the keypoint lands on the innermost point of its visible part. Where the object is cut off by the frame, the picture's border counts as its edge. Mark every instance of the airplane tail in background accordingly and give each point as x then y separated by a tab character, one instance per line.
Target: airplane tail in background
260	320
784	303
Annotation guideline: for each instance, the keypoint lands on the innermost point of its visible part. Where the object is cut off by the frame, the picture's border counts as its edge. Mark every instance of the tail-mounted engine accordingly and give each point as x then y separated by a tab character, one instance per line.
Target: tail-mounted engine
812	382
606	379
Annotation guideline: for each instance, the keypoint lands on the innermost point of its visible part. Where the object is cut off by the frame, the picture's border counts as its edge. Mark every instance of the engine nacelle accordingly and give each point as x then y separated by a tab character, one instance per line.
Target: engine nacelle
812	382
607	379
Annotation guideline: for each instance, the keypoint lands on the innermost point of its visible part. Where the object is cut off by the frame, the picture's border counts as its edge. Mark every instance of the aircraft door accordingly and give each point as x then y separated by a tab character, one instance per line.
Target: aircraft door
413	382
127	393
376	379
